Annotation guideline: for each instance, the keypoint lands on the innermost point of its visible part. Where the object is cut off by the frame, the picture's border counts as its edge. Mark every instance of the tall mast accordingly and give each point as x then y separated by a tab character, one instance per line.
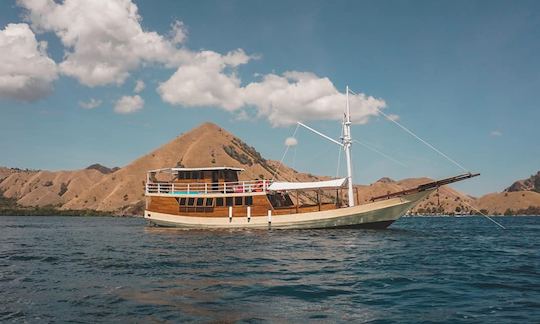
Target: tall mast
347	141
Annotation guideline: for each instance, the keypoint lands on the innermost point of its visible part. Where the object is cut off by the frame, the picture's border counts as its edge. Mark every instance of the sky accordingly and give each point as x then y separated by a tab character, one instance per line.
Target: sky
85	82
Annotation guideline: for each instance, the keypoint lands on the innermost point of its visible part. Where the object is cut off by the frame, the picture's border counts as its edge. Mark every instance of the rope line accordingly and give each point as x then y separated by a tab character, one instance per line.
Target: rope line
369	147
486	216
418	138
284	154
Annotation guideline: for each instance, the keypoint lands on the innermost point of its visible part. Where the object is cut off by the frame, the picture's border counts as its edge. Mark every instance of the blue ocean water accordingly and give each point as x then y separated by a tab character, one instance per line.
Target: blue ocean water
87	270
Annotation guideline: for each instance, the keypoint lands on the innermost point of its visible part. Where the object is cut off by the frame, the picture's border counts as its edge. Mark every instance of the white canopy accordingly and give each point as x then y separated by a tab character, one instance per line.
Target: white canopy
337	183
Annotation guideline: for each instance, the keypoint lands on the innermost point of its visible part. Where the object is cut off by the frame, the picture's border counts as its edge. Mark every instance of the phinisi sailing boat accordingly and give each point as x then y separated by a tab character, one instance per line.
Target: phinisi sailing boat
214	198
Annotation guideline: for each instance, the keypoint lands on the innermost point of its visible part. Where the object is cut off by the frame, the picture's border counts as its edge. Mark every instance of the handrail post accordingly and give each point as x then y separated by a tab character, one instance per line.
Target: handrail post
188	188
224	187
205	188
159	188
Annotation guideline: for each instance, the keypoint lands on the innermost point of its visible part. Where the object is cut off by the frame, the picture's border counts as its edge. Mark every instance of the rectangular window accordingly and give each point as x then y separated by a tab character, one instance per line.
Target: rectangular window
249	200
219	202
191	201
209	202
183	201
238	201
200	201
229	201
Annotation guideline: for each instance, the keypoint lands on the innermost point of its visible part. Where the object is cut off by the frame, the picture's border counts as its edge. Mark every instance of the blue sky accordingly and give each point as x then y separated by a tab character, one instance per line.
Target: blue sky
464	75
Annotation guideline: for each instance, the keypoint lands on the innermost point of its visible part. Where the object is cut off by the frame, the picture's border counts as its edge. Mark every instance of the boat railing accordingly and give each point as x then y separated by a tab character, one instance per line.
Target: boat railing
175	188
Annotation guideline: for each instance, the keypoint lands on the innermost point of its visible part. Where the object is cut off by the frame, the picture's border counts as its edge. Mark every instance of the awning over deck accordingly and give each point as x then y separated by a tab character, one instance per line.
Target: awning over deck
329	184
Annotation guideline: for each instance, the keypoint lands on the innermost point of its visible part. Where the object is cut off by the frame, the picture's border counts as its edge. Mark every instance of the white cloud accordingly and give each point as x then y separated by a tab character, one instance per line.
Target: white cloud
203	82
129	104
104	39
139	86
282	99
91	104
291	141
300	96
178	32
495	133
26	72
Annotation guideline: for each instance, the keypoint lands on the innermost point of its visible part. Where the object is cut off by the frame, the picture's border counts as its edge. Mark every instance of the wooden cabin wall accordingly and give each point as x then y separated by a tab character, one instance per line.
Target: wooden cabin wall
169	205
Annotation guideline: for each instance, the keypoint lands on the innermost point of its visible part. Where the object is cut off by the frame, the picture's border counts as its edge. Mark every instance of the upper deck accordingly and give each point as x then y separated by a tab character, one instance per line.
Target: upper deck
211	181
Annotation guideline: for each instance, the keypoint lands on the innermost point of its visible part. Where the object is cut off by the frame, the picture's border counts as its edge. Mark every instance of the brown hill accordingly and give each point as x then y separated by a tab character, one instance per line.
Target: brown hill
206	145
530	184
508	202
121	190
5	172
101	168
43	188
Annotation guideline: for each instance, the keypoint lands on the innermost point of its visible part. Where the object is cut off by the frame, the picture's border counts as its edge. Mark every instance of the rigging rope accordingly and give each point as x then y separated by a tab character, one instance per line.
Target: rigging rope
479	211
371	148
284	154
418	138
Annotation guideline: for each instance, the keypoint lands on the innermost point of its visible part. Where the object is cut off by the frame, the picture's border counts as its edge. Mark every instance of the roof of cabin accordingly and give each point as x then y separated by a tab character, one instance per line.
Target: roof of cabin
196	169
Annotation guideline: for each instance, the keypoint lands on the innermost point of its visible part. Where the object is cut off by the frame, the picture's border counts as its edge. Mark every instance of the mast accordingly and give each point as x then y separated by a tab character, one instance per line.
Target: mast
347	141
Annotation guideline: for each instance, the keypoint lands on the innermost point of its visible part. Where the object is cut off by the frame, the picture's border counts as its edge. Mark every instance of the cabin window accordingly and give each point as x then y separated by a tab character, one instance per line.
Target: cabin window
238	201
209	202
182	201
280	200
200	201
249	200
229	201
219	202
191	201
231	176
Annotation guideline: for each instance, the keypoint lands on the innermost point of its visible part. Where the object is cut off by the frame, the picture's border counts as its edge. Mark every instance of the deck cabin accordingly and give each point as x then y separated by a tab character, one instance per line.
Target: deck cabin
218	192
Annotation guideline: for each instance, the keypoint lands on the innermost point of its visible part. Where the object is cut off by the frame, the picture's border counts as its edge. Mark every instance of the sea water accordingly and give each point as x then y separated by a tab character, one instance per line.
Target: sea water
421	269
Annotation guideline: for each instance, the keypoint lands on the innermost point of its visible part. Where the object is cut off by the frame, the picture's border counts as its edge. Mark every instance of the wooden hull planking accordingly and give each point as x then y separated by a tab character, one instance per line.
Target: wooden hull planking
379	214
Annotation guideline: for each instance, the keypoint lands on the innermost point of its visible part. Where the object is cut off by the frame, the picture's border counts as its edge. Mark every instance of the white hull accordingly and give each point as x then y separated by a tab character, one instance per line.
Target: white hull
378	214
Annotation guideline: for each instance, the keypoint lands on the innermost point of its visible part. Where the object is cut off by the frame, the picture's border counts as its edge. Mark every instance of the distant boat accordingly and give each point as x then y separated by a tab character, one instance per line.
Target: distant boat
214	198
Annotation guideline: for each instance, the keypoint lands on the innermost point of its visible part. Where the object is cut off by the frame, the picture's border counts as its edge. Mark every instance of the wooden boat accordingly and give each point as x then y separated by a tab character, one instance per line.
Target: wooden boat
213	197
207	198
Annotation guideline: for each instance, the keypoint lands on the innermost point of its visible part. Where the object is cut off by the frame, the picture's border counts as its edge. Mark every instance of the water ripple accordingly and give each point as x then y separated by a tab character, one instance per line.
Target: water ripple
63	269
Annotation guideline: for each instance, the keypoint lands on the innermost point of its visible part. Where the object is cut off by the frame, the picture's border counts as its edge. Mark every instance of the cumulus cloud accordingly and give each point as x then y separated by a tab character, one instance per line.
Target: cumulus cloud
203	82
139	86
90	104
282	99
26	72
291	141
178	32
103	39
128	104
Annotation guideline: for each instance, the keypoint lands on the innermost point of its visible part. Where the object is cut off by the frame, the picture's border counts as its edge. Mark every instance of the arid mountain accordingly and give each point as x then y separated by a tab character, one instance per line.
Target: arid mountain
530	184
206	145
101	168
508	202
44	188
120	190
